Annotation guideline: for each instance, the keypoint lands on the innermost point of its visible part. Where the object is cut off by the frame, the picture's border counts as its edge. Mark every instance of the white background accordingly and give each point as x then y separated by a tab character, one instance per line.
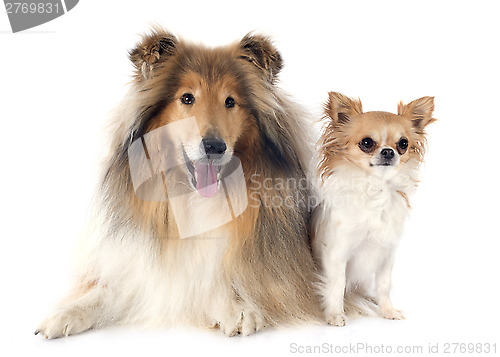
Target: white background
59	81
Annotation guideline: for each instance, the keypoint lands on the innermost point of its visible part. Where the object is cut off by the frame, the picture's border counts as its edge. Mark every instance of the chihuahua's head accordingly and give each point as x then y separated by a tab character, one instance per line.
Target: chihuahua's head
374	141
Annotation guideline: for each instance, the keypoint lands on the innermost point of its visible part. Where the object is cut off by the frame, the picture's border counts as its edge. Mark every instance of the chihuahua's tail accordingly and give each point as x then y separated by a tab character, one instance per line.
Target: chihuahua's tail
358	304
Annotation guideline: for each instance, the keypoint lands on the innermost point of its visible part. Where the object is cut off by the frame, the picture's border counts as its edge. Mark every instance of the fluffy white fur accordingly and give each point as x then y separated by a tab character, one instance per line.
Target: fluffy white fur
133	268
359	224
364	202
138	281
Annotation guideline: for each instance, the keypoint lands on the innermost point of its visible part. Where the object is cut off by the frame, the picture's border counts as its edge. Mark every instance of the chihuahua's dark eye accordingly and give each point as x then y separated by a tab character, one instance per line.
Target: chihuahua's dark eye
187	98
402	146
229	102
367	145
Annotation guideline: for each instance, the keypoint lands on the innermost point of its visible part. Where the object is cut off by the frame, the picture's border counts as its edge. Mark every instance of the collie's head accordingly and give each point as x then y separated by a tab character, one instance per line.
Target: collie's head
377	142
227	92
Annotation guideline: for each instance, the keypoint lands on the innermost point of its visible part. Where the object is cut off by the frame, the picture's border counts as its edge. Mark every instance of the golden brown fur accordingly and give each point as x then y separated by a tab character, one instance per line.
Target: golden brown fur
347	125
368	166
265	272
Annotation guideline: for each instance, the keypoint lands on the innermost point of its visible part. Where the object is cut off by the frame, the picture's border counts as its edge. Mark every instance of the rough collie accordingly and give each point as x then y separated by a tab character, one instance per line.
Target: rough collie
182	233
369	166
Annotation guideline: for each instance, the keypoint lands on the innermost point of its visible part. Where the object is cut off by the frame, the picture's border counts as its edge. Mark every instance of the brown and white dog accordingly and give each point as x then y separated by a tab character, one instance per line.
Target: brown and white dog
368	164
224	113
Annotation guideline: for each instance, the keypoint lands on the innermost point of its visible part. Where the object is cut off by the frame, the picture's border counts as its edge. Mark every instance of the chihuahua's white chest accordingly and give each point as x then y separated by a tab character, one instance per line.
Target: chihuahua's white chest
361	220
368	165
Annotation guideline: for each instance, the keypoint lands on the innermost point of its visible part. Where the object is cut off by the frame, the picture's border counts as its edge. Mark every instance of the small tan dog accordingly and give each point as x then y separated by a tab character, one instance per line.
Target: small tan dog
368	166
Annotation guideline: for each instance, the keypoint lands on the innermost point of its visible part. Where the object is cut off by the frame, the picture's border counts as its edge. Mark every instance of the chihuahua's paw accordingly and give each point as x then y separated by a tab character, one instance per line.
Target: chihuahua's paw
336	320
392	314
246	323
64	323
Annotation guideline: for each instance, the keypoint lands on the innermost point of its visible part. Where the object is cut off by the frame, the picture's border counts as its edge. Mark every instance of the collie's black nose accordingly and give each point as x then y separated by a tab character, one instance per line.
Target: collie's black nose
213	146
387	154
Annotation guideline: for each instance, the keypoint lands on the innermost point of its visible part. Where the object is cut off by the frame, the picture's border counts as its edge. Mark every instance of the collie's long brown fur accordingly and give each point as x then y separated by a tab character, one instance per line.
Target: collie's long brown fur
136	268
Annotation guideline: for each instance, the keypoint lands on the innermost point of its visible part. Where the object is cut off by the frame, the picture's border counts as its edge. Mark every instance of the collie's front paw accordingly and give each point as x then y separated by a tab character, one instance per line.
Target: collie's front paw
64	323
246	323
336	320
392	314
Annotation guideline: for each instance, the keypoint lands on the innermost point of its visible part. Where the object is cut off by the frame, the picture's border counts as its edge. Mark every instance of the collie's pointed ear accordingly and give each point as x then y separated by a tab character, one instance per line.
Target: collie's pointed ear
154	48
419	111
340	108
260	51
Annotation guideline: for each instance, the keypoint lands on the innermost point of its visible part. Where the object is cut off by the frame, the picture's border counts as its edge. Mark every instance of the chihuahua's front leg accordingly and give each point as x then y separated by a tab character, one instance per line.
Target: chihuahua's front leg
331	245
333	293
383	279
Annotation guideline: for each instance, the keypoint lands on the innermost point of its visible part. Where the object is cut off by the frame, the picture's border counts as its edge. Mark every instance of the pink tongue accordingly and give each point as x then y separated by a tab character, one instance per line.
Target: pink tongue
206	182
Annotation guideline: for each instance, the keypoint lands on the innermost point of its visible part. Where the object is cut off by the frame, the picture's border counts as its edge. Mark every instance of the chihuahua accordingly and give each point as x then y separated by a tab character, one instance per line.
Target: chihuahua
368	166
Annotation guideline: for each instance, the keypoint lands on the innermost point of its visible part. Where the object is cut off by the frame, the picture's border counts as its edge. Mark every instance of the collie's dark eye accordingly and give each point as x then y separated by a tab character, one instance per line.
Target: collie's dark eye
402	146
187	98
229	102
367	145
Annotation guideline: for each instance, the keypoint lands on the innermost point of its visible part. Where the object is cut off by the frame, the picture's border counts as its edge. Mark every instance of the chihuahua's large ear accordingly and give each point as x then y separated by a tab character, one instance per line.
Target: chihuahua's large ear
419	111
260	51
153	49
340	108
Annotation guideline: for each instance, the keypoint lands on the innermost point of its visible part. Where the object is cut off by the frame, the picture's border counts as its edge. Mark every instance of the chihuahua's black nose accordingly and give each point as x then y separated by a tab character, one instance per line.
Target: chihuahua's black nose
387	154
213	146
